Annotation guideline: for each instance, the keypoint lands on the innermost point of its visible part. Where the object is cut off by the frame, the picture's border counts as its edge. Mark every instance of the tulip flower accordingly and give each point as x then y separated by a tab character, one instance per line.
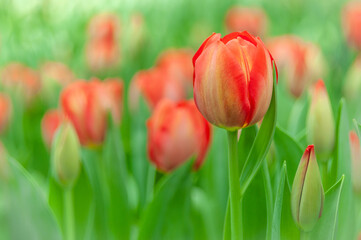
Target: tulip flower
81	104
5	112
17	77
351	22
356	161
301	63
352	86
178	62
104	26
66	155
135	33
176	133
154	85
233	79
320	122
252	20
49	124
307	194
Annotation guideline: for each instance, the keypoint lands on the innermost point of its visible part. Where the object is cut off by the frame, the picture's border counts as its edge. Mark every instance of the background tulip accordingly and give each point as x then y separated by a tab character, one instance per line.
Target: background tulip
250	19
5	111
177	132
352	87
233	80
351	22
320	122
307	194
356	161
49	124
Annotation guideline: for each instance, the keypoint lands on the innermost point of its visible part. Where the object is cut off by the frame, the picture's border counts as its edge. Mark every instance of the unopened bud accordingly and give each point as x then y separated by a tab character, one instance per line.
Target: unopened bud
356	161
66	155
307	194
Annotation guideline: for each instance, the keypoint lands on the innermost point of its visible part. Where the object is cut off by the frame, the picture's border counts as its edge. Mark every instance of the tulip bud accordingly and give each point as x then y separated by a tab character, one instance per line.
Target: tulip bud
352	84
252	20
66	155
233	79
135	33
356	161
351	22
307	194
5	112
49	124
154	85
320	122
177	132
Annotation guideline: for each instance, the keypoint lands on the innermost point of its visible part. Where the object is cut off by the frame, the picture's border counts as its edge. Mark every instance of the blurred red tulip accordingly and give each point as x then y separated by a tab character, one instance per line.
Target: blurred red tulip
102	49
352	86
351	22
17	77
154	85
6	111
233	79
178	62
302	63
81	104
356	161
56	72
176	133
253	20
49	124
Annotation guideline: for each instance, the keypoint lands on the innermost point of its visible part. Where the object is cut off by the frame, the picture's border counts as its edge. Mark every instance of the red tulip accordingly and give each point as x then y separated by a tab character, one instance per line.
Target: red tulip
356	161
49	124
177	132
351	22
178	62
302	63
81	104
17	77
252	20
154	85
104	27
233	80
5	112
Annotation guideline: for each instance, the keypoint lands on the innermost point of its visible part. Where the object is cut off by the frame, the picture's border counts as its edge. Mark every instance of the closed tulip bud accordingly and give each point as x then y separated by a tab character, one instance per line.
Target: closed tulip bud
135	34
80	102
307	194
154	85
356	161
352	86
5	112
351	22
233	79
252	20
176	133
320	122
22	80
300	62
66	155
49	124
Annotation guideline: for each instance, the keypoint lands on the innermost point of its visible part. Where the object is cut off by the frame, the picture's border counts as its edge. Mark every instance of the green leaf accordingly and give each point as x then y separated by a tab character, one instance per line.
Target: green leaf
297	116
288	149
27	214
261	144
326	226
168	215
283	225
82	200
341	165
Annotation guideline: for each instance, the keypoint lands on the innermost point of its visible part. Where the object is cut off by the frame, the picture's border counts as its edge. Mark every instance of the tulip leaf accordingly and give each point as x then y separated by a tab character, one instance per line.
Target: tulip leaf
26	212
283	226
341	165
327	225
297	116
261	144
82	202
168	215
288	149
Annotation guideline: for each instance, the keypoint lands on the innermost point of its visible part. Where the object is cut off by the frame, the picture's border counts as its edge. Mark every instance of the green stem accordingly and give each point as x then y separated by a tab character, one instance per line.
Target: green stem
324	174
69	215
305	236
269	198
234	186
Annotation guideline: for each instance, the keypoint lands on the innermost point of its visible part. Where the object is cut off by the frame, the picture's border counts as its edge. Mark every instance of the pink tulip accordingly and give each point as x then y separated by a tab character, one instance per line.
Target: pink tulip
351	22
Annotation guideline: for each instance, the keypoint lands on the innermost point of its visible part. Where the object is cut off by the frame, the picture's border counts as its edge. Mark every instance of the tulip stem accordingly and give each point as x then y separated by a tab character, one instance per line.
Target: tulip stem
234	186
324	174
69	215
305	236
269	198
